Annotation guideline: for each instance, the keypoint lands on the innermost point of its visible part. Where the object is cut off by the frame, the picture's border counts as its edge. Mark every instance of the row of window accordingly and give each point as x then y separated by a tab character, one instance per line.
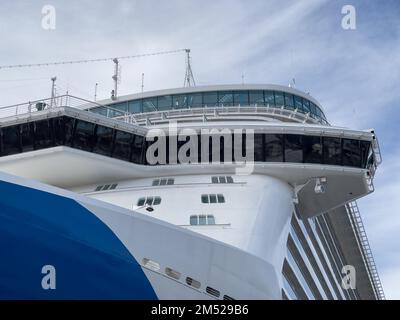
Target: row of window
126	146
150	201
163	182
106	187
215	99
202	219
212	198
222	179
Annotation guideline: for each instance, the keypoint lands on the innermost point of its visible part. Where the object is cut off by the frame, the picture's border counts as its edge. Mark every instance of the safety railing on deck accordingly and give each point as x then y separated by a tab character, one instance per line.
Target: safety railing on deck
61	101
362	239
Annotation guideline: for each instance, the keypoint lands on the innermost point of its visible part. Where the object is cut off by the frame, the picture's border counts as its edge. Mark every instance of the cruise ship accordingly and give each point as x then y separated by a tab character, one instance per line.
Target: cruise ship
218	192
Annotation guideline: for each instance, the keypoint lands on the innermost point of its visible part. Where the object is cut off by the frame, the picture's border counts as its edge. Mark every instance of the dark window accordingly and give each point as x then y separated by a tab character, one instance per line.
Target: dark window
98	188
256	98
26	134
306	106
273	148
11	141
113	186
289	101
259	147
135	106
204	198
141	201
202	220
213	198
194	220
83	137
63	130
150	104
365	147
157	201
279	99
179	101
220	198
106	187
225	98
170	182
222	179
43	134
195	100
313	109
312	149
122	106
104	139
122	145
99	110
351	153
298	103
269	98
229	179
241	98
210	99
163	182
164	102
331	151
156	182
149	201
137	149
210	219
214	179
293	148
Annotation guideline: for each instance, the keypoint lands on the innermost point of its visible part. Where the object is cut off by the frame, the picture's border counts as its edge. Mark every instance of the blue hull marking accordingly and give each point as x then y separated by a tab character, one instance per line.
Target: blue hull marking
38	228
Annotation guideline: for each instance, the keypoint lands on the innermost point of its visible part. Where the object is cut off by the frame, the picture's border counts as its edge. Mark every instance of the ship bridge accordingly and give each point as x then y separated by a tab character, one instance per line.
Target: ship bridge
69	142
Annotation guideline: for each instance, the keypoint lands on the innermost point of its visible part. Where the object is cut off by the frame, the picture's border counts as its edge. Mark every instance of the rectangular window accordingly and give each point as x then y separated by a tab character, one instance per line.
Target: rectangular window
141	201
103	140
298	103
84	135
149	201
180	101
135	106
137	149
194	220
279	99
214	179
256	98
269	98
273	146
150	104
313	109
213	198
351	153
26	134
164	103
306	106
157	201
289	101
229	179
170	182
365	147
210	99
63	130
221	198
259	147
204	198
122	145
293	148
202	220
312	149
156	182
331	151
225	98
11	141
195	100
241	98
222	179
210	219
43	134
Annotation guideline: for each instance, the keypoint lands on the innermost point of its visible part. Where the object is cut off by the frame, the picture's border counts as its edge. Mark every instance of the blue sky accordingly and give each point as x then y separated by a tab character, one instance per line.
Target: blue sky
355	74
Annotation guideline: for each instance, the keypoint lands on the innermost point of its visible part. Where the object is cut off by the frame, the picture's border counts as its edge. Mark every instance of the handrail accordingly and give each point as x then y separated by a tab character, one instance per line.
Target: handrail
363	243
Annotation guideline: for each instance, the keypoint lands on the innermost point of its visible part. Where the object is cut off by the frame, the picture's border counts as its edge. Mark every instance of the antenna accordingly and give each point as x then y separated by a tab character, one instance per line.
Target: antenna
115	77
53	90
142	82
189	79
95	91
292	84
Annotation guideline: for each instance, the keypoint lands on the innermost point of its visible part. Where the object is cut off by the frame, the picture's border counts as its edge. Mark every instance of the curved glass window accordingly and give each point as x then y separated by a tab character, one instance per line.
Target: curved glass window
241	98
179	101
298	103
289	101
269	98
195	100
103	140
150	104
306	106
164	103
256	98
122	145
135	106
279	99
84	135
210	99
225	98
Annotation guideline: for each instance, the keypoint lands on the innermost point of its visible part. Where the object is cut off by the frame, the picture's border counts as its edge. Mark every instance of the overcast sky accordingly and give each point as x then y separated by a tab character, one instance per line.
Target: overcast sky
355	74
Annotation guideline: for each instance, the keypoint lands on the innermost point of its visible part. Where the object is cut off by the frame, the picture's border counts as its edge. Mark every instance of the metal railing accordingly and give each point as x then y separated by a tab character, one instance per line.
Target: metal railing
363	243
66	100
